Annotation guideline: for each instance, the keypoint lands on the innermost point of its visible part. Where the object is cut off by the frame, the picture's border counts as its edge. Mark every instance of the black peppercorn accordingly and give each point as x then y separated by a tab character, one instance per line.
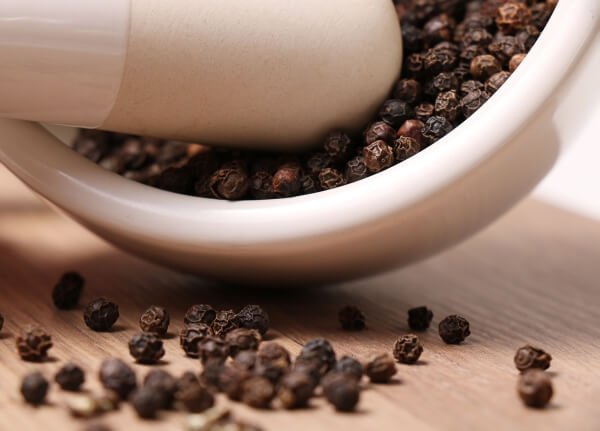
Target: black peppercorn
438	29
504	48
356	169
419	318
379	130
337	145
414	64
191	335
231	379
309	184
101	314
33	344
342	392
470	86
286	180
515	61
261	185
348	366
472	101
213	348
528	357
295	390
438	60
469	52
199	313
146	402
186	379
245	359
258	392
445	81
381	368
317	162
254	317
117	376
163	384
495	81
512	16
484	66
477	36
454	329
436	127
242	339
34	388
408	349
412	129
194	398
330	178
176	180
319	352
70	377
423	111
535	388
146	348
351	318
155	320
447	104
231	183
408	90
378	156
67	291
225	321
405	147
412	37
395	112
272	361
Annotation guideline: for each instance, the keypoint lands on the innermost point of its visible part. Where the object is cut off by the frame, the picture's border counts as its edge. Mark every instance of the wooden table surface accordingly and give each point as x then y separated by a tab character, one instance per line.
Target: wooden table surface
531	278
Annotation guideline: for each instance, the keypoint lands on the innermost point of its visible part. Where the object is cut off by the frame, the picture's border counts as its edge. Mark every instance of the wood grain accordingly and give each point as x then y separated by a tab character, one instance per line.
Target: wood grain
533	277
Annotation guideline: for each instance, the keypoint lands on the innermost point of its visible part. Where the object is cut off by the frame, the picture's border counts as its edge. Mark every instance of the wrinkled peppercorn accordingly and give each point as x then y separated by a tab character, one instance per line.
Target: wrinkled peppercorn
231	379
146	348
146	402
469	86
337	145
515	61
254	317
496	81
438	60
348	366
438	29
194	398
436	127
445	81
295	390
191	335
528	357
155	320
381	368
503	49
286	180
33	344
535	388
317	162
225	321
261	185
484	66
330	178
408	90
356	169
395	112
242	339
245	359
67	291
101	314
272	361
351	318
447	104
379	130
419	318
213	348
199	313
423	111
320	353
70	377
472	101
378	156
34	388
230	183
512	16
117	376
454	329
342	392
164	385
408	349
412	129
258	392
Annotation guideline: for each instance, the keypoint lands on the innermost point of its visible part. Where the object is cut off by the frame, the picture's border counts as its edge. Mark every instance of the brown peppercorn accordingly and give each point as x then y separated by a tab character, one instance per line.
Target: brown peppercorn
445	81
67	291
423	111
337	145
186	379
379	130
540	14
535	388
33	344
447	104
330	178
381	368
230	380
199	313
213	348
309	185
356	169
231	183
242	339
395	112
101	314
254	317
476	36
163	384
436	127
70	377
469	86
472	101
528	357
408	90
286	180
117	376
515	61
34	388
419	318
408	349
258	392
438	29
512	16
295	390
225	321
378	156
351	318
342	392
405	147
194	398
191	335
454	329
320	353
503	48
412	129
146	402
438	60
484	66
146	348
348	366
261	185
317	162
245	359
496	81
272	361
469	52
155	320
414	65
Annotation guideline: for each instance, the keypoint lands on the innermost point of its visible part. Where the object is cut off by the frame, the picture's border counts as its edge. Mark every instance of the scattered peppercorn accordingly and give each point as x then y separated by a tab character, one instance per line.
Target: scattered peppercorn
225	321
70	377
146	402
191	335
320	353
381	368
351	318
295	390
82	406
34	388
33	344
163	384
231	379
155	320
213	348
342	392
194	398
408	349
258	392
348	366
454	329
117	376
200	313
242	339
535	388
101	314
254	317
146	348
532	357
67	291
272	361
419	318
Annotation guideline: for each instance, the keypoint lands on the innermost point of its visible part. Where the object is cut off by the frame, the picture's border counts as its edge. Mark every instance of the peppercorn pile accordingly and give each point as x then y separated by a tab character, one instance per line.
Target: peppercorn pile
457	54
